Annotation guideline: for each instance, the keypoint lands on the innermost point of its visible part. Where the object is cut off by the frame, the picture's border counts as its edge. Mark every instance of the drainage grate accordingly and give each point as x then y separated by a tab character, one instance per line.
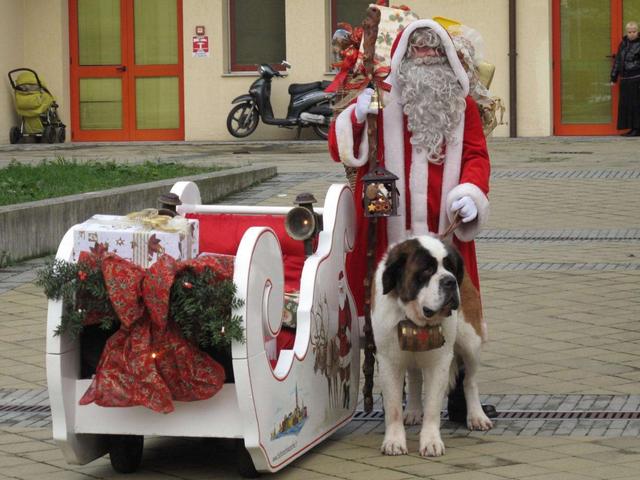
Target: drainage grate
378	415
608	174
26	408
601	415
590	235
572	153
557	267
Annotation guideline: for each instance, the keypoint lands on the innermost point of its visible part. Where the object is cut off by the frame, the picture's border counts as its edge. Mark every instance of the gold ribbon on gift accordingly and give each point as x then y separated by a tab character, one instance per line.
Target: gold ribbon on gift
150	219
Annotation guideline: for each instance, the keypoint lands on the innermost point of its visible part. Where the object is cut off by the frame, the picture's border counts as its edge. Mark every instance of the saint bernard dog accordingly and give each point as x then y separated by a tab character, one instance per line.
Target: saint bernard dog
422	279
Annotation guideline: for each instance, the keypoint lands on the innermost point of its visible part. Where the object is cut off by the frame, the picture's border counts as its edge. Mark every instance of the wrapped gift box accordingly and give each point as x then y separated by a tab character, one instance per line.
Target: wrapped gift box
136	239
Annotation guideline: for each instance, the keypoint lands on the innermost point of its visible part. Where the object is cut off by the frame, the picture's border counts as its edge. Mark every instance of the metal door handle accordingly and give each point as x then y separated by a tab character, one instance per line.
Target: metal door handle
121	68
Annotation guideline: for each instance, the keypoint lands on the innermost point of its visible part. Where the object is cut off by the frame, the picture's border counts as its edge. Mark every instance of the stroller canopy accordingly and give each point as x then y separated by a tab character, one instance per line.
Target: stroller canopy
32	100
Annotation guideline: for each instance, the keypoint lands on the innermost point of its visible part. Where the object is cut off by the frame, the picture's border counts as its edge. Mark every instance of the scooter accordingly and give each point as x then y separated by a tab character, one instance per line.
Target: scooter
309	106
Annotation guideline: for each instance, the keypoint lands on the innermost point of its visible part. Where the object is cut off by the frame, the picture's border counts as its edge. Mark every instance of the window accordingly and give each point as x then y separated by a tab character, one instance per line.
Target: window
257	33
349	11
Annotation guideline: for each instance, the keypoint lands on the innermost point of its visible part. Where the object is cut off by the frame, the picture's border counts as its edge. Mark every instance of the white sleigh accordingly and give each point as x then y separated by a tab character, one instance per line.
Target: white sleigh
276	413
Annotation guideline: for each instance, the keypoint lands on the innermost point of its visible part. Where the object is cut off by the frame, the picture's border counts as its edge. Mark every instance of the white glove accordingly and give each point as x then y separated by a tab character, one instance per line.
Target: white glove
466	207
362	105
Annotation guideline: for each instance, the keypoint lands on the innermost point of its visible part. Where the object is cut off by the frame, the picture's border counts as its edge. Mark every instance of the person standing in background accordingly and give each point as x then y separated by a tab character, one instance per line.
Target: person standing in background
627	67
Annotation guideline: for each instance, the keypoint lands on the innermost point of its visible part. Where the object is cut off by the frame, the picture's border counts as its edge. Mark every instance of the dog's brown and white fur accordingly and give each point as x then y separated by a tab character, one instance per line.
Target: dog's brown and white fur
422	279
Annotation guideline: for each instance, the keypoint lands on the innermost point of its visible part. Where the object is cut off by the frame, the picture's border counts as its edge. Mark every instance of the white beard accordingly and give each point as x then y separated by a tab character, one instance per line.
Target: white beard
433	101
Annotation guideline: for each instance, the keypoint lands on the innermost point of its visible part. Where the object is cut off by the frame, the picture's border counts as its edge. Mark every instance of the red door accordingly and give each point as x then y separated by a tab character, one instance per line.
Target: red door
586	35
126	70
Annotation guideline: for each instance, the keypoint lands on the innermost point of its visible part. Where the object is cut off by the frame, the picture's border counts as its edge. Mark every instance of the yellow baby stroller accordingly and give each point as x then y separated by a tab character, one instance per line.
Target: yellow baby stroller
37	108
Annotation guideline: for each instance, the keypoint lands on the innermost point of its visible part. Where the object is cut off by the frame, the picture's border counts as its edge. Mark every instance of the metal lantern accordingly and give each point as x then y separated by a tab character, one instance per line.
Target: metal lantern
302	223
380	193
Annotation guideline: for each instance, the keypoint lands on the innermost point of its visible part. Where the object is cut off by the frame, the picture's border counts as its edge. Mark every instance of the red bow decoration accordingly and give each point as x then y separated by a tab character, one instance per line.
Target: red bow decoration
349	56
147	361
379	74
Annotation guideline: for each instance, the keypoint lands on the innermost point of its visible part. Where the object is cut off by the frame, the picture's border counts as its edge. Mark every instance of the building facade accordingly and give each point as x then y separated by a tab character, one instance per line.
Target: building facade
130	70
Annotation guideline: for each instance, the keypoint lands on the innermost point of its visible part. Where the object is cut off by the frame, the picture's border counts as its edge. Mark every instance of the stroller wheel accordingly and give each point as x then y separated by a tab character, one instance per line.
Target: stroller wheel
15	135
49	134
61	134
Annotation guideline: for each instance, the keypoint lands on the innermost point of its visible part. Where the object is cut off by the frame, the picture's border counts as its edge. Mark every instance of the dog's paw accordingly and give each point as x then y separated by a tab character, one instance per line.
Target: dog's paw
394	446
432	447
479	421
412	417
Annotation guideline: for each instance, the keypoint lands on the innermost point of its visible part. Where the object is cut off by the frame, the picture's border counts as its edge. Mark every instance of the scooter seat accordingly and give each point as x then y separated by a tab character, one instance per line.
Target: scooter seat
296	88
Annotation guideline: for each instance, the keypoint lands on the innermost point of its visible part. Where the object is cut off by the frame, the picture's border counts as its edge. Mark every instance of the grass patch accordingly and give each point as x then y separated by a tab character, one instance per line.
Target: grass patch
56	178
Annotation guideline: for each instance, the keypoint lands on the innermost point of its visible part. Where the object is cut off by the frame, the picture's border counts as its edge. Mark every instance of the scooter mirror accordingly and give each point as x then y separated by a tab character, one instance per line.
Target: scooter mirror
286	64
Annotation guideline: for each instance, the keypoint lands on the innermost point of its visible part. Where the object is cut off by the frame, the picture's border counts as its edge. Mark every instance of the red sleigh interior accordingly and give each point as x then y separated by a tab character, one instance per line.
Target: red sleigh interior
221	233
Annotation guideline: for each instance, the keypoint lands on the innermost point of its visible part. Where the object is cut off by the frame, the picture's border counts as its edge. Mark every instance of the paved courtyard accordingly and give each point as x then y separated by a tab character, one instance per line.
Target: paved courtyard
560	274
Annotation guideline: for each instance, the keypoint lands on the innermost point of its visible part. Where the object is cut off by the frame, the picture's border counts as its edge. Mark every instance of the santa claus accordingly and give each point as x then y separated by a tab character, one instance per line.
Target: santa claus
430	135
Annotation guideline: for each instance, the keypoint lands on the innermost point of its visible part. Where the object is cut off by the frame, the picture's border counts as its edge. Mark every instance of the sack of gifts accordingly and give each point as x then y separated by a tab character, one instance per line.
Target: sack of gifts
470	47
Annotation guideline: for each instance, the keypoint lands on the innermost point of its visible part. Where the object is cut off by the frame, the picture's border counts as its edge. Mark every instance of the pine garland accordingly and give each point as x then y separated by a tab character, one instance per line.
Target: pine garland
200	305
83	293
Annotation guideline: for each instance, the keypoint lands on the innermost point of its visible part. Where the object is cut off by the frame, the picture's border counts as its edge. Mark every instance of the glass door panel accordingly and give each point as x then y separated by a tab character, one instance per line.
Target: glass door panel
126	70
585	63
99	32
156	35
157	103
100	103
586	36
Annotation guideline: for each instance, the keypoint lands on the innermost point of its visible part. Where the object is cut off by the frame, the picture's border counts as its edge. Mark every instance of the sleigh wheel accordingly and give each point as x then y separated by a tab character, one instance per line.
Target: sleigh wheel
125	452
244	463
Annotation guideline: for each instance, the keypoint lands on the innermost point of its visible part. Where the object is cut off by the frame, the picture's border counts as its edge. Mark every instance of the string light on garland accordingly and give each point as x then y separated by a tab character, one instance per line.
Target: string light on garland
200	304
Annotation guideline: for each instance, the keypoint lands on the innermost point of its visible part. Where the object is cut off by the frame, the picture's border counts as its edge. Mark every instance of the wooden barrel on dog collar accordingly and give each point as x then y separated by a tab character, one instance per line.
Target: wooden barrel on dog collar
414	338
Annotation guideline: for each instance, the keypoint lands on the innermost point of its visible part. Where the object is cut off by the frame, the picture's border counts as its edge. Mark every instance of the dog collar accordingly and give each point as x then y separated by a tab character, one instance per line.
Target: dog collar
414	338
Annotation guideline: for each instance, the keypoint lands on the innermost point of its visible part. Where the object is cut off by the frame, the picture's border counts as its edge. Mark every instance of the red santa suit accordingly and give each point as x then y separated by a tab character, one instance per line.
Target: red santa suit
427	190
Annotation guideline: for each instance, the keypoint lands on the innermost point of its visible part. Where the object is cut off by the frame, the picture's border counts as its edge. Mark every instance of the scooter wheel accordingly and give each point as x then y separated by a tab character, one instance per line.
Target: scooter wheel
242	120
322	131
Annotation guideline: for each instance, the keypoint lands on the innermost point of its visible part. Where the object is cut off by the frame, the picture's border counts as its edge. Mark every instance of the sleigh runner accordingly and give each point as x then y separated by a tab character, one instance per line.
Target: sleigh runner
293	384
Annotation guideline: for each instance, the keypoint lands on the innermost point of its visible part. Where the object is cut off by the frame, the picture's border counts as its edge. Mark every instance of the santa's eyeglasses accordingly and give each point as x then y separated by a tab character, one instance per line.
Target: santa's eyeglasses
424	38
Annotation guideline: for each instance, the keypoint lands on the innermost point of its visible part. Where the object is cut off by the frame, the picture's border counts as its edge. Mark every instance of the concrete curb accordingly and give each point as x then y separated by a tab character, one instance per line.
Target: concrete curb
35	228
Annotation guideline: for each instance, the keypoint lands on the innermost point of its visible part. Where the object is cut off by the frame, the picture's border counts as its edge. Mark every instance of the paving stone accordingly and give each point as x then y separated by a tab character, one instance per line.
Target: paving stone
559	288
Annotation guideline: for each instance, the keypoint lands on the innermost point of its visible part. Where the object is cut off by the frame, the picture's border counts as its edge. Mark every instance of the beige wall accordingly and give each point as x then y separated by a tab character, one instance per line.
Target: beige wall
533	46
209	88
46	48
11	56
34	33
535	76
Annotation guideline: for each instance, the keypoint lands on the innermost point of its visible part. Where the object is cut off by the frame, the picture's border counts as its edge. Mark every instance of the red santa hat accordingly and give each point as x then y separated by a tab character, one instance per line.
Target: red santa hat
401	44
